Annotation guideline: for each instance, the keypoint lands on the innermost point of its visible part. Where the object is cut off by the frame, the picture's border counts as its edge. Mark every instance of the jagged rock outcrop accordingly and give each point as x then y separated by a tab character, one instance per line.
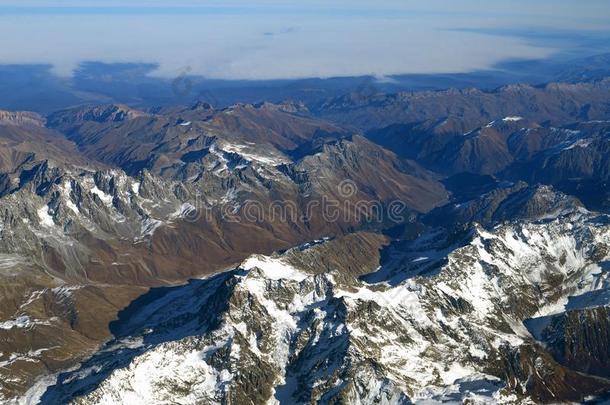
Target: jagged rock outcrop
21	118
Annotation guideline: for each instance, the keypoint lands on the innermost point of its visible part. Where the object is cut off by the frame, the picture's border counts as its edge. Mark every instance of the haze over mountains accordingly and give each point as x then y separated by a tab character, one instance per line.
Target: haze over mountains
38	88
481	274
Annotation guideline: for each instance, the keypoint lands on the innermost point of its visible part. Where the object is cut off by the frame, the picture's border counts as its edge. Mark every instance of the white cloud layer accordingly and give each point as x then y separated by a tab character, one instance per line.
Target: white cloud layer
272	39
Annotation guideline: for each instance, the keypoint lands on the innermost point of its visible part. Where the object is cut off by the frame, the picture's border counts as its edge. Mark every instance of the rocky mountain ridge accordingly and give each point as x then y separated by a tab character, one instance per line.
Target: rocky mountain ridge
477	274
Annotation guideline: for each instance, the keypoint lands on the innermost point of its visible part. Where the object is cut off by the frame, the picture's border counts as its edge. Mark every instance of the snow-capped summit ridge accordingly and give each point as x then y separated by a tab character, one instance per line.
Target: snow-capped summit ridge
287	335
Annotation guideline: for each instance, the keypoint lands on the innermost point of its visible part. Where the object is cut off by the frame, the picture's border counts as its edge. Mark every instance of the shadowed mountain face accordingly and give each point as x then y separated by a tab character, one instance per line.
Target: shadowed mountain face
484	150
571	157
418	237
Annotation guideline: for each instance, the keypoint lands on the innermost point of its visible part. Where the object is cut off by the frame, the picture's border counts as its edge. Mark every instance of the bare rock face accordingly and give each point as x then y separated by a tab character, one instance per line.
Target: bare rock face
21	118
578	338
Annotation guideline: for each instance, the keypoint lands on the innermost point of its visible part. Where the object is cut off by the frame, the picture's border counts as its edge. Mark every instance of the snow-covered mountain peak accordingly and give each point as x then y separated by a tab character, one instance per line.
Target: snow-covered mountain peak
310	337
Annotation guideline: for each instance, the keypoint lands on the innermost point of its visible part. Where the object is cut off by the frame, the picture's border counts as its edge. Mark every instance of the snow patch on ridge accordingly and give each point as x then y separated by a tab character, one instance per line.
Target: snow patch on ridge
149	226
22	322
245	152
183	211
273	269
19	323
106	198
581	143
45	218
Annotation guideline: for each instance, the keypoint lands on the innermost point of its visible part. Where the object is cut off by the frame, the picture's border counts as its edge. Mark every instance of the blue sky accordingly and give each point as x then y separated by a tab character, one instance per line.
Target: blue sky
268	39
